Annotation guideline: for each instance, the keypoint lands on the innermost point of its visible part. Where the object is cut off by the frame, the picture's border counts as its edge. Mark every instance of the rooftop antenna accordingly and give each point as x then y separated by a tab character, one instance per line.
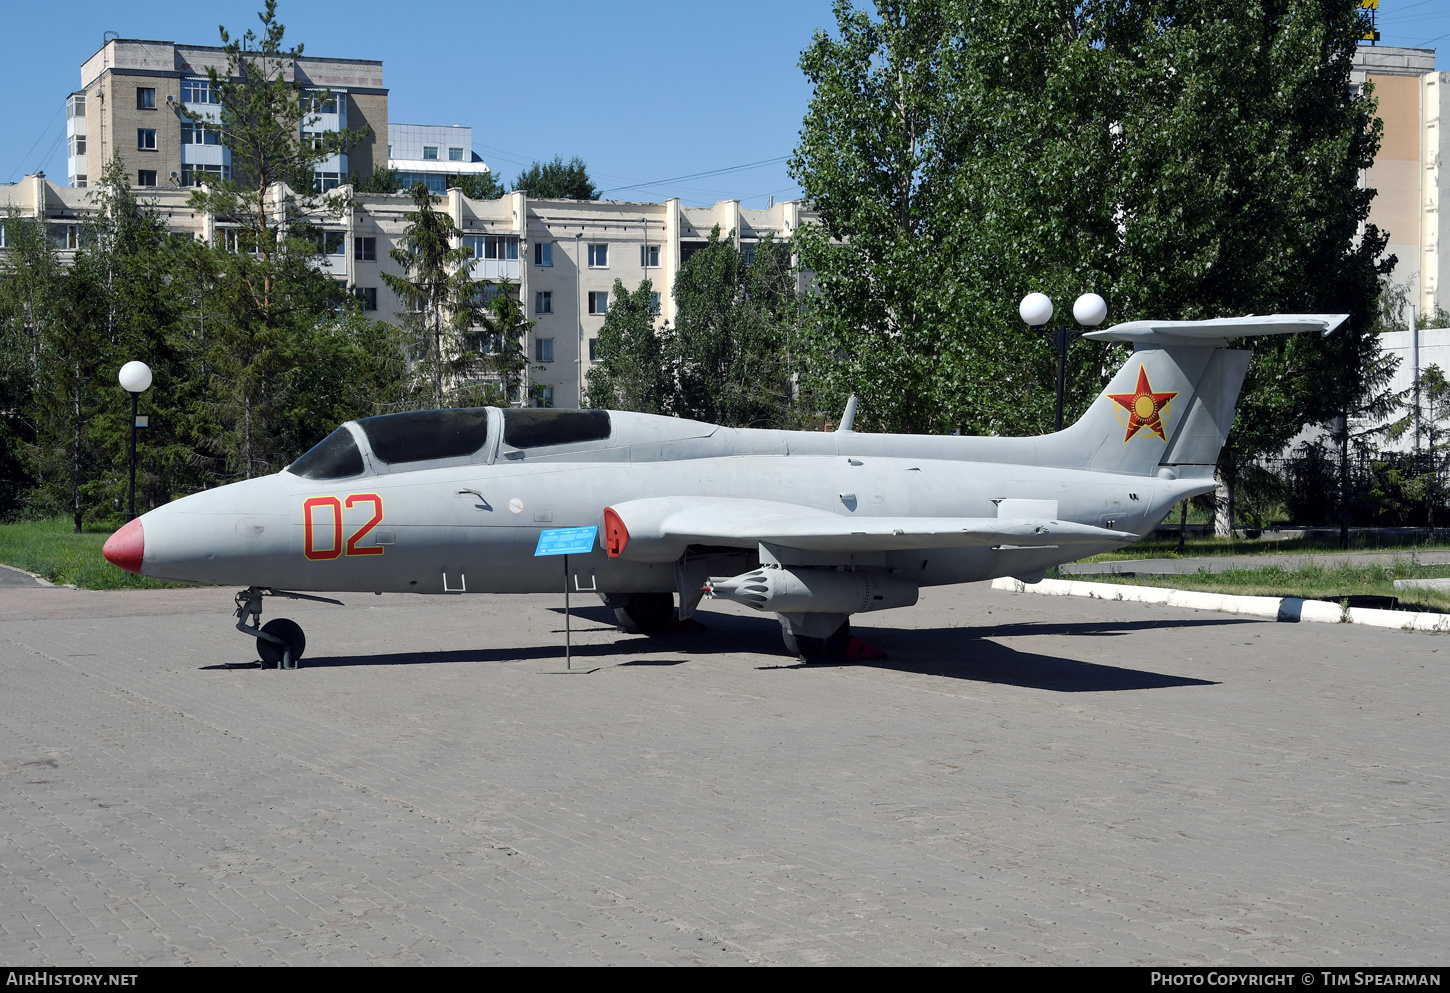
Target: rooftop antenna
108	35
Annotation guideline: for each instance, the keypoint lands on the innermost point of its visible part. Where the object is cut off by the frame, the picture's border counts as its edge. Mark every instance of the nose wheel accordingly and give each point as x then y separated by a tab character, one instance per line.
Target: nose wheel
286	651
280	642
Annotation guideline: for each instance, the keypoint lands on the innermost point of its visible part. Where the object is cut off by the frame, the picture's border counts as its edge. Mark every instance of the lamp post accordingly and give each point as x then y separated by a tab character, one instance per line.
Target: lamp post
135	379
1089	310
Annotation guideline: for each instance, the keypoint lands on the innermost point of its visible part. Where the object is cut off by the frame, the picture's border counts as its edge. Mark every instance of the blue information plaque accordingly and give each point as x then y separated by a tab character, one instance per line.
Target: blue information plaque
566	541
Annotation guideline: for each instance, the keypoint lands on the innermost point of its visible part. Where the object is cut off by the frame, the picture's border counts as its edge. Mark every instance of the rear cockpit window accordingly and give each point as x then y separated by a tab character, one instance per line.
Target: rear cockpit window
526	427
334	457
421	435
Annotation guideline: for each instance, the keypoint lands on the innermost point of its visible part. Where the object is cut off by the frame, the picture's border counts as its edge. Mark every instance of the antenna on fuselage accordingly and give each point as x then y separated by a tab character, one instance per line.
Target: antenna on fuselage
849	417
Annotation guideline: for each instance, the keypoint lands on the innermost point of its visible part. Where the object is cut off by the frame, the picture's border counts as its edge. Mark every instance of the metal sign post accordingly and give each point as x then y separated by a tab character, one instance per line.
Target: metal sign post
566	542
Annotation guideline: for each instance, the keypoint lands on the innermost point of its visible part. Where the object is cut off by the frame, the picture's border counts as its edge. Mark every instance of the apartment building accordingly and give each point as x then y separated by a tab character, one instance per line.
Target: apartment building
431	154
132	94
563	257
1412	171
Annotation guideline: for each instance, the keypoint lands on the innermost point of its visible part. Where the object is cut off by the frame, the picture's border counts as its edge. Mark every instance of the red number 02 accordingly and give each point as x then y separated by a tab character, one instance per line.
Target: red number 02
334	505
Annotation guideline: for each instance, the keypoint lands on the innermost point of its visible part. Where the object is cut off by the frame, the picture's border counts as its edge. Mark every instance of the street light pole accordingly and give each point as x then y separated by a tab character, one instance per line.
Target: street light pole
1089	310
135	379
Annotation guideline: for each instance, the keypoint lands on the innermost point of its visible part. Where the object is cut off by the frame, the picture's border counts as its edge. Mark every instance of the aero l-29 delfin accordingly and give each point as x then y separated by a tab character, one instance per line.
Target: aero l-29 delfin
810	526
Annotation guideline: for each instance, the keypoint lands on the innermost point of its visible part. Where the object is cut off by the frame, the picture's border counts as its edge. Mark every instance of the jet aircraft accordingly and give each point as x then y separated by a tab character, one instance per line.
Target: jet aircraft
810	526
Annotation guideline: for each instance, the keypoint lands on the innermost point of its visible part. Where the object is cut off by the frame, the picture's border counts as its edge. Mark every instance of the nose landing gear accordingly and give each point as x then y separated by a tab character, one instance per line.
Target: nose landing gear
280	642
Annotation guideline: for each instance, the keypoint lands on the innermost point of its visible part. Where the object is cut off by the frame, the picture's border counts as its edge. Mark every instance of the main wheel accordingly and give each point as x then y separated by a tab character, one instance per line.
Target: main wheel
646	613
290	633
832	646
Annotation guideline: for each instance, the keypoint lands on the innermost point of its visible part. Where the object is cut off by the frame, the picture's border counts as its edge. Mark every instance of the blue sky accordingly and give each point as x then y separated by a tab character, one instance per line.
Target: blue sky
643	91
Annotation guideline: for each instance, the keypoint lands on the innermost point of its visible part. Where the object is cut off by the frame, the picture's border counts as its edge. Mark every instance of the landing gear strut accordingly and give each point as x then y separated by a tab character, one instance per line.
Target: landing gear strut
646	613
280	642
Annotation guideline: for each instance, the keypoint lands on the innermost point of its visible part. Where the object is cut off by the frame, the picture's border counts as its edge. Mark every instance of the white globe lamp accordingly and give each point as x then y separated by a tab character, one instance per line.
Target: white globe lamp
135	377
1035	309
1090	310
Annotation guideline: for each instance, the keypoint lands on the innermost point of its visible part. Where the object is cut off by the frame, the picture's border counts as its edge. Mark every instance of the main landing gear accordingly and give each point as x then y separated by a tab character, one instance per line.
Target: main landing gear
280	642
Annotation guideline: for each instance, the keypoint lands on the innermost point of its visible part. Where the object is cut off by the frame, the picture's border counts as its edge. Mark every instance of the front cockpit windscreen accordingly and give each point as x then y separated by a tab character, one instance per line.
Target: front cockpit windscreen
530	427
334	457
423	435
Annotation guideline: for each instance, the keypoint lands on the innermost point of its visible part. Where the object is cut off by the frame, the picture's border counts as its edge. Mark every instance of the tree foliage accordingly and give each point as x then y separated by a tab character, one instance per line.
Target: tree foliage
633	371
437	293
557	180
1184	158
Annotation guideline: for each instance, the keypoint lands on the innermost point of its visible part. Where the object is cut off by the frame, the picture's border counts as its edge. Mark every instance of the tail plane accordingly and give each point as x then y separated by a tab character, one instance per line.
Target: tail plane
1172	404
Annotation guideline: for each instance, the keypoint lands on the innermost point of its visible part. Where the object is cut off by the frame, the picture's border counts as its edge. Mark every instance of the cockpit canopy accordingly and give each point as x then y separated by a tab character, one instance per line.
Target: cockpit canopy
433	435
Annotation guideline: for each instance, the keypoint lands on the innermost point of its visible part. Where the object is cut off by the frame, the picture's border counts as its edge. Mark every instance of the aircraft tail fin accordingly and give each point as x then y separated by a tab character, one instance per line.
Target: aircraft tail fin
1172	403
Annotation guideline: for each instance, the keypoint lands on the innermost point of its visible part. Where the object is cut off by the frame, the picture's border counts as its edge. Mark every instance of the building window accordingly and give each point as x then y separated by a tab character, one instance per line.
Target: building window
455	154
492	246
649	256
197	91
194	175
365	249
77	144
543	253
65	237
430	152
331	242
599	256
599	302
368	295
2	234
324	181
146	139
229	239
198	134
747	252
654	304
543	302
317	102
593	349
75	106
146	177
81	182
546	396
145	98
543	349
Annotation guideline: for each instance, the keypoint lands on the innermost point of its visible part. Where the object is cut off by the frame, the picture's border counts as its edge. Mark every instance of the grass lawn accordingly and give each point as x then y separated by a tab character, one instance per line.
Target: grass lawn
1207	545
1309	582
52	549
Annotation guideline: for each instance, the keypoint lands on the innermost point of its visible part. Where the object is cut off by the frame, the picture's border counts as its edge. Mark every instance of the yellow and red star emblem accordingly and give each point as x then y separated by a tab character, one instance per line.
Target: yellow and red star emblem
1144	407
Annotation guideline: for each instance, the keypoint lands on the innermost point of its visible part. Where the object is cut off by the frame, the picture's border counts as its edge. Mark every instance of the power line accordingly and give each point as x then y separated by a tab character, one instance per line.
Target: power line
43	132
700	175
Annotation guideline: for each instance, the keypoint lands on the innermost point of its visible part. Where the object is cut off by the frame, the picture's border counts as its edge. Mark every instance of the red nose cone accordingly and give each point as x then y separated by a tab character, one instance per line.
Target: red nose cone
125	547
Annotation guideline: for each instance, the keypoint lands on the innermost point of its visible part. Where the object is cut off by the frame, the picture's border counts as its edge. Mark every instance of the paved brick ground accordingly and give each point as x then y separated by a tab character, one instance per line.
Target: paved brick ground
1029	779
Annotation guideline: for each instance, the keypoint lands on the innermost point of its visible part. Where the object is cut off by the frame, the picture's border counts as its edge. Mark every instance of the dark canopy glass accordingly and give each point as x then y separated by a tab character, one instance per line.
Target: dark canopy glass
334	457
420	435
528	427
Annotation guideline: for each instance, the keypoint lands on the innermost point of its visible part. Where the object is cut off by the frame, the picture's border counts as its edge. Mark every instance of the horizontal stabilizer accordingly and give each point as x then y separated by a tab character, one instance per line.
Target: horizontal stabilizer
1217	330
660	528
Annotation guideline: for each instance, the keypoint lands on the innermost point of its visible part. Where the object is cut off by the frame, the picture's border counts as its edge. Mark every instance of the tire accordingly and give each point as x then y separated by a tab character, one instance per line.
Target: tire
646	613
817	649
290	632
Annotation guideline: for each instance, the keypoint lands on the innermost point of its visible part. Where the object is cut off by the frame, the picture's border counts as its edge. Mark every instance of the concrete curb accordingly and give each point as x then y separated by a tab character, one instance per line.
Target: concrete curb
1276	608
41	580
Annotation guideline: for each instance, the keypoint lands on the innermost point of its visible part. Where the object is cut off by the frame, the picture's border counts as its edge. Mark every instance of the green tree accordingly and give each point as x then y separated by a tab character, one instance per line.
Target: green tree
437	291
557	180
632	371
728	348
1183	159
272	290
507	329
477	187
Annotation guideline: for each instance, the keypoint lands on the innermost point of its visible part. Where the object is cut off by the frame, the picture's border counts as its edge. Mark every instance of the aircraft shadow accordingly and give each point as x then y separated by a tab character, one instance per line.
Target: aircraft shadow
966	653
969	654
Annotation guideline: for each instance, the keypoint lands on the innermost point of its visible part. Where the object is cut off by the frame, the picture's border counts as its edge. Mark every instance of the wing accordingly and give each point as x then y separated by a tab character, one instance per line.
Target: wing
659	529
